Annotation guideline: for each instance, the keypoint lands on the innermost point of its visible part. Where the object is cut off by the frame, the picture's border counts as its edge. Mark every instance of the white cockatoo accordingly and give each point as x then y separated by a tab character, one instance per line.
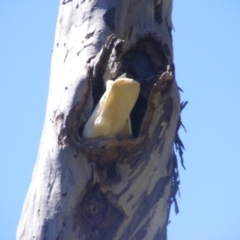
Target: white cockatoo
111	116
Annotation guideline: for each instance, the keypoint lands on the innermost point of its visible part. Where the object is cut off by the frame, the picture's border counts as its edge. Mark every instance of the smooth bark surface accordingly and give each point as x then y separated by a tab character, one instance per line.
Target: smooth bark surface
113	188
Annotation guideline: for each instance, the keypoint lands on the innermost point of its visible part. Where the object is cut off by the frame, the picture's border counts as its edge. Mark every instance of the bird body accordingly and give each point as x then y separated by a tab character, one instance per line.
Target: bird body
111	116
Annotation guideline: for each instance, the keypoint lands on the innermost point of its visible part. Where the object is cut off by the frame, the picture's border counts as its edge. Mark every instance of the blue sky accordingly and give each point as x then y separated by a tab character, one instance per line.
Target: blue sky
207	59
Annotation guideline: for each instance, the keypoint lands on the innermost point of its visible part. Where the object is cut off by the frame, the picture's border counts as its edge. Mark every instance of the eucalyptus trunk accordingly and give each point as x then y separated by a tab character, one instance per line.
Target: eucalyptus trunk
107	187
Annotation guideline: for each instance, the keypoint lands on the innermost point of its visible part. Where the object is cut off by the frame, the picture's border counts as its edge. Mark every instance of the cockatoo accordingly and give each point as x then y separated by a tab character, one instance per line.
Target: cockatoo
111	116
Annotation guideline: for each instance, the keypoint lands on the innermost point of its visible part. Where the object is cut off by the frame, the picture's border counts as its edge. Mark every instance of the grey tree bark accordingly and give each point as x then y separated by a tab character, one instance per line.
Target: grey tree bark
107	188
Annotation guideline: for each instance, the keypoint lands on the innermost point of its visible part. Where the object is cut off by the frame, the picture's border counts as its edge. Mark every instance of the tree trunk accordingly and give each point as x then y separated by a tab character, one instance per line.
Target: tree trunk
107	188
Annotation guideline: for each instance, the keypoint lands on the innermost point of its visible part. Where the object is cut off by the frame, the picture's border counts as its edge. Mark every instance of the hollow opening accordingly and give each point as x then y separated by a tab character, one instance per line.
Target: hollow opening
144	63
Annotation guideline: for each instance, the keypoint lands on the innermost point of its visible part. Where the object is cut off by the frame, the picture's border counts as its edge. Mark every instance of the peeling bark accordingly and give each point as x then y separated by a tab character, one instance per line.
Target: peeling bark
113	188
